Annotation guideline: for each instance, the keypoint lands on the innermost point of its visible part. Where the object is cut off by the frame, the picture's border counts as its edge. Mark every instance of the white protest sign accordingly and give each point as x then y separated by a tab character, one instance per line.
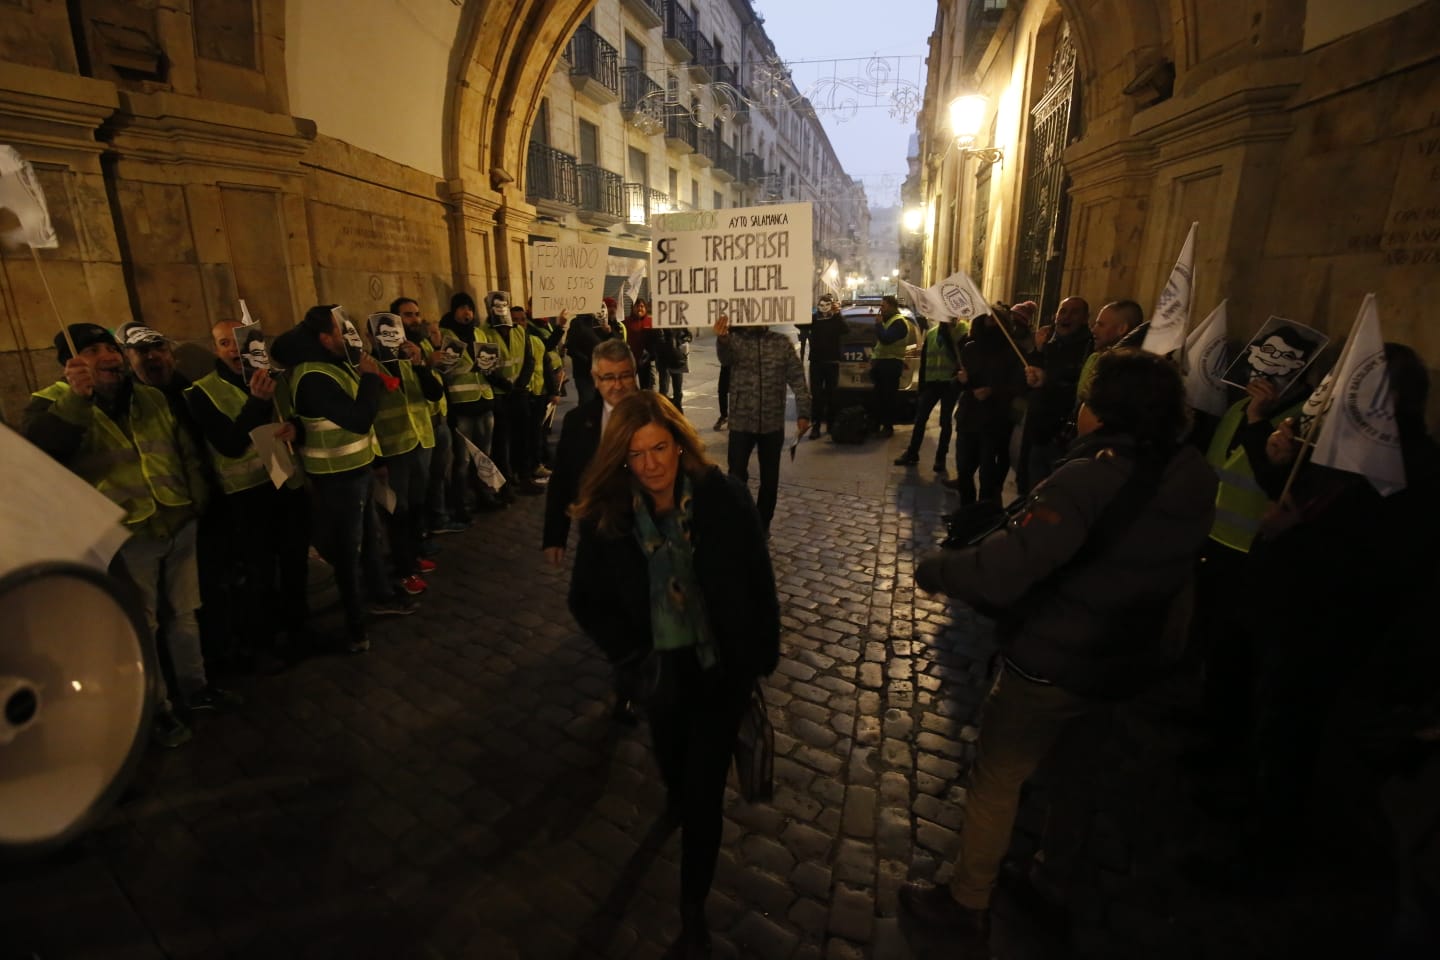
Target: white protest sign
566	276
755	265
274	453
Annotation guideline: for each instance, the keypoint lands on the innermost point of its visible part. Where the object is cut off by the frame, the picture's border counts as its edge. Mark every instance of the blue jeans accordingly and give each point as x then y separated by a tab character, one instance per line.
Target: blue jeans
768	445
337	514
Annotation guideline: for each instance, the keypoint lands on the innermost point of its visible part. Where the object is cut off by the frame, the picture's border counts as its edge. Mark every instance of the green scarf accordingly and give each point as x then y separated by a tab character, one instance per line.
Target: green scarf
677	606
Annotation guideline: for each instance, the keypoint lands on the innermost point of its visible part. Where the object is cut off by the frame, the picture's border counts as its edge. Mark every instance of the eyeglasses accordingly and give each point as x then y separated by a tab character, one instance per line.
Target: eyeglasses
615	377
1277	353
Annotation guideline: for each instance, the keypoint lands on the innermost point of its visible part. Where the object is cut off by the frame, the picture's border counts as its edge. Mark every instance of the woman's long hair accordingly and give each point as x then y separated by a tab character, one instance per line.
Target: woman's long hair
605	491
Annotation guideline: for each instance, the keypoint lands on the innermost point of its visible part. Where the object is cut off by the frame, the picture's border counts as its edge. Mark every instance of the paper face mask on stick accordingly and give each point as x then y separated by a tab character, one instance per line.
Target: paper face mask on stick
254	354
1279	353
354	347
388	332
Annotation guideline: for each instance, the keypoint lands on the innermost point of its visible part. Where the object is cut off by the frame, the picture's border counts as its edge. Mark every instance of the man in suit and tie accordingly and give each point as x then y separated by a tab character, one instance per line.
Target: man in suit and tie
614	369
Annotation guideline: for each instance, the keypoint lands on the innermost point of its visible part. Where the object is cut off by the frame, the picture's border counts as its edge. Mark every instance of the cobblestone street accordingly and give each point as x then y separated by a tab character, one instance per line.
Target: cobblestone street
460	791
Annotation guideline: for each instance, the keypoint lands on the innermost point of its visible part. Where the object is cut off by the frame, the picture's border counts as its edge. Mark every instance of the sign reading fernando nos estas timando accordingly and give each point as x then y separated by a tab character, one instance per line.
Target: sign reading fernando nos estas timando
752	264
566	276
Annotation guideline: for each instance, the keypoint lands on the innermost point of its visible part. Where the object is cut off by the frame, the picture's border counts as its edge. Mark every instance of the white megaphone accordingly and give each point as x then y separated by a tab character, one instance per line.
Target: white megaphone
75	703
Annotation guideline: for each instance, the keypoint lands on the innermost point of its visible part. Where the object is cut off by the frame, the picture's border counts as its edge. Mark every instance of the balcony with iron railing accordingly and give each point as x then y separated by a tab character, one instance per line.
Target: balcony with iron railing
681	132
705	141
725	73
602	195
641	202
704	58
651	13
594	66
679	33
550	181
752	168
727	161
641	99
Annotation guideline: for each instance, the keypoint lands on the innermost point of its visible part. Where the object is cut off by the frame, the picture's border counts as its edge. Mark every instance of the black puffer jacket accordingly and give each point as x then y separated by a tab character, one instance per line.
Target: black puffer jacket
610	586
1086	602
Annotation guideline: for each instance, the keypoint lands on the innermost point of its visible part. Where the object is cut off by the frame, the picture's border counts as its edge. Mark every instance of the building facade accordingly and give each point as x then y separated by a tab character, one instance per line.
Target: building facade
1300	135
662	106
197	152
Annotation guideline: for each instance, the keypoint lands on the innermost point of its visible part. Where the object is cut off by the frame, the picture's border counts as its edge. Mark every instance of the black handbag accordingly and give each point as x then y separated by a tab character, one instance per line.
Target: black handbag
755	751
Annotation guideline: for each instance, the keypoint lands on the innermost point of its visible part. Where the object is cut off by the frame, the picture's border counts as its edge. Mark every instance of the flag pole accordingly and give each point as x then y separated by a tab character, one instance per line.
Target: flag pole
1306	445
64	330
1024	361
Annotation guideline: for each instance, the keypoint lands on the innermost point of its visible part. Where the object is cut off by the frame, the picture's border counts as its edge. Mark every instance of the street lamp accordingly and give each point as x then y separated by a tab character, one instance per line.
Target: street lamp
967	112
895	280
913	219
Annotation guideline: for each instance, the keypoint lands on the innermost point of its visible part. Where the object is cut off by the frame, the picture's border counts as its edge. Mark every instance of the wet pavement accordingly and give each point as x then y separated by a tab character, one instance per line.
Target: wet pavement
460	790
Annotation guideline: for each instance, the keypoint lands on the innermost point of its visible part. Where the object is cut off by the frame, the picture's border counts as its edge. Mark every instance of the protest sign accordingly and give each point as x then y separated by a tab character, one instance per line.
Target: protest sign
755	265
566	276
1279	352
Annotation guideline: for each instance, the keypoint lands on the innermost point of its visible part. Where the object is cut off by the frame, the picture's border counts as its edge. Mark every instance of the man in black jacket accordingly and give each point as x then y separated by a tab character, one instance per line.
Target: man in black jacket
1082	581
1053	375
266	529
827	331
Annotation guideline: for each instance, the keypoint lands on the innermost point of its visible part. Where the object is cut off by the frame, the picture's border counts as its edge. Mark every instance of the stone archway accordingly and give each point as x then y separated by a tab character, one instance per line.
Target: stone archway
504	55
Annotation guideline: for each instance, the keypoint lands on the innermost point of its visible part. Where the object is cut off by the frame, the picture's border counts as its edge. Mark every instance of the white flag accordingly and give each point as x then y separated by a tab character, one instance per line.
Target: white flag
245	314
830	277
637	276
959	297
1205	362
490	474
20	193
1171	315
926	302
1359	433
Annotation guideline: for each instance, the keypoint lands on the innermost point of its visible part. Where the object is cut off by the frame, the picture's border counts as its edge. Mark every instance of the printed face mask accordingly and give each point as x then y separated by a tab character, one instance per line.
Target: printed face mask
1275	358
389	331
256	356
500	310
354	347
602	313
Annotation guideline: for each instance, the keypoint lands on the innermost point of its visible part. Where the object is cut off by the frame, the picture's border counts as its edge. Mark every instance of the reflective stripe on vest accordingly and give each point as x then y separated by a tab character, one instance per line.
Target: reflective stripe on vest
244	472
464	383
403	420
939	363
328	447
896	350
1240	502
511	353
138	471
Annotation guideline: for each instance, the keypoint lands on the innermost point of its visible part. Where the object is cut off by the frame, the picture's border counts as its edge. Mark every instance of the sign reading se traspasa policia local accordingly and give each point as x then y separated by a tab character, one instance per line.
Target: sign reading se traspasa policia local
566	276
752	264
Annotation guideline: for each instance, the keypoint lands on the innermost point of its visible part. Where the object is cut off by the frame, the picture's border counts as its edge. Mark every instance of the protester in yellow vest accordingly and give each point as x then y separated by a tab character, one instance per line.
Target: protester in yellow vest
526	450
512	396
470	358
406	439
122	438
939	363
266	528
1237	453
893	333
426	336
334	405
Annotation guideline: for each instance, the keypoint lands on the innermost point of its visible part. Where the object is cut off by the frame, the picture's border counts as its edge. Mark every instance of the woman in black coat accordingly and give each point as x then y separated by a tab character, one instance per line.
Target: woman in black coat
673	578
